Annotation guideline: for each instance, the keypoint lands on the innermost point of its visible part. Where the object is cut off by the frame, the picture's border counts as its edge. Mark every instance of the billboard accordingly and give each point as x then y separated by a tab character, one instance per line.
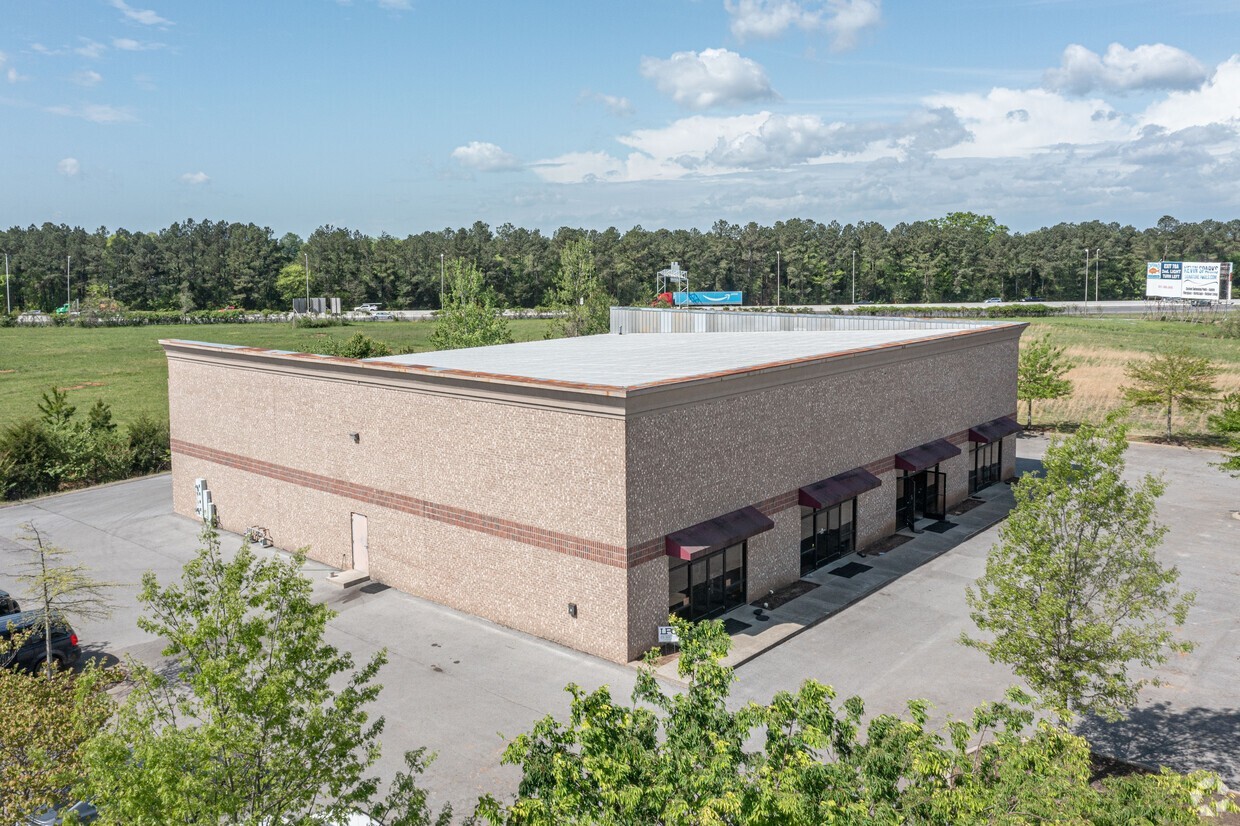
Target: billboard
706	299
1182	279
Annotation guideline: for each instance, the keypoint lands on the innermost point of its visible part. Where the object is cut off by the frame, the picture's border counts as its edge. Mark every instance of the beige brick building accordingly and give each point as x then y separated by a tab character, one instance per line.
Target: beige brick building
580	489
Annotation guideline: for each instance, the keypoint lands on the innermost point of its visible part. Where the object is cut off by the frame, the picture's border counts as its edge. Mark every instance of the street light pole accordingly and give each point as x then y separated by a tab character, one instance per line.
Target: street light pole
776	278
8	303
854	277
441	280
307	257
68	291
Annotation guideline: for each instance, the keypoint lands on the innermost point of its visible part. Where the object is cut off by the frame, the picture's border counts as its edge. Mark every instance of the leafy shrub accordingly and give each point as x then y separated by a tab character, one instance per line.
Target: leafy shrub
90	457
149	450
312	323
29	459
359	346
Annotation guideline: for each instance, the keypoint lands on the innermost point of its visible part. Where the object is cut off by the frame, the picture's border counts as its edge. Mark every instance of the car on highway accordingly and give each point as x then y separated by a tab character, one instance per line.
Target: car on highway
1029	299
993	300
33	651
382	316
367	308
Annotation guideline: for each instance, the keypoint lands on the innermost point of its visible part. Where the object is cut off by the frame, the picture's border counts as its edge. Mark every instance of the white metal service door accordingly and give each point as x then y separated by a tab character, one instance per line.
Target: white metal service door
361	548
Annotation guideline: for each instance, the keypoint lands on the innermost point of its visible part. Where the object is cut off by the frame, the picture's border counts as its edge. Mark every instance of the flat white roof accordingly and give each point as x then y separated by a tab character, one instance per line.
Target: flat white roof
626	361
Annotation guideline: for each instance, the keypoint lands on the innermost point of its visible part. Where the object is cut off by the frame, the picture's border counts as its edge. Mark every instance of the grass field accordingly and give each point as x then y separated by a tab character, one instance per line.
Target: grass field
1102	347
125	366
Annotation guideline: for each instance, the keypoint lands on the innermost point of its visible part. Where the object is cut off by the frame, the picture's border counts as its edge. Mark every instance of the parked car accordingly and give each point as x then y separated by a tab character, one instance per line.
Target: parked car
993	300
31	654
55	815
8	605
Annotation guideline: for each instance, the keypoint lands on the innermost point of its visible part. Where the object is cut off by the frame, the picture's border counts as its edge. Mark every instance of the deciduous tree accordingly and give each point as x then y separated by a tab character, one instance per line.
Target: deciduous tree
1040	373
1170	379
471	315
256	720
1227	424
581	304
45	721
58	588
1073	595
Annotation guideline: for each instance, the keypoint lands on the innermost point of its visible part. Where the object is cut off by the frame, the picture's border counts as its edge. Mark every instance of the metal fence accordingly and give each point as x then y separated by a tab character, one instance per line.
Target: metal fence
660	320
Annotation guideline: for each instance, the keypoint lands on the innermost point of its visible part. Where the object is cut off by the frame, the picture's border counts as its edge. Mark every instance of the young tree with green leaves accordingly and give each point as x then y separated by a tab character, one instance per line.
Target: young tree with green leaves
357	346
1040	373
1073	594
686	759
471	316
581	305
1169	379
1227	424
258	719
45	722
59	589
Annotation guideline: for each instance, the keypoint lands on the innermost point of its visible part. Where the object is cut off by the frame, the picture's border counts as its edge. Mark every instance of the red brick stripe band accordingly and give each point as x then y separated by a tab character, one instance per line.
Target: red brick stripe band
563	543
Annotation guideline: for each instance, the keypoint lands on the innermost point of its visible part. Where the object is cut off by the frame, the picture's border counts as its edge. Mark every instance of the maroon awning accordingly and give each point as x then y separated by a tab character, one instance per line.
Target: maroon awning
927	455
995	430
839	488
717	533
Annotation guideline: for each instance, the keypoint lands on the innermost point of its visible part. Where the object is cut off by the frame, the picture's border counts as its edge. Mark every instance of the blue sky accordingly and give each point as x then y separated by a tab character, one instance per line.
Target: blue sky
401	116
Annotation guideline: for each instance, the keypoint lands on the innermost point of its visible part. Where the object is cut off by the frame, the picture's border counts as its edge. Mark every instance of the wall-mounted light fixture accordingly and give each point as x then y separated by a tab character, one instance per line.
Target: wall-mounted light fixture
356	437
572	610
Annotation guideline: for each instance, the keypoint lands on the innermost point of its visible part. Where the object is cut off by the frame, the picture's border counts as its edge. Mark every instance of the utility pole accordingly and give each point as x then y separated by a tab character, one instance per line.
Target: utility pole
854	277
441	280
776	278
8	303
68	292
1097	259
307	255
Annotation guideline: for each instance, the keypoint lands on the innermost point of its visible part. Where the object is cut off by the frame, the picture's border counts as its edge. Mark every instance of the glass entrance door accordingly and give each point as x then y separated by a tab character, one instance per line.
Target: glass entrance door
708	586
934	496
920	495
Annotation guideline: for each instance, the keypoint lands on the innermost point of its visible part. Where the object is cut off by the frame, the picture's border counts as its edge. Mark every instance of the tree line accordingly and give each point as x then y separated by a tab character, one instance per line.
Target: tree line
195	265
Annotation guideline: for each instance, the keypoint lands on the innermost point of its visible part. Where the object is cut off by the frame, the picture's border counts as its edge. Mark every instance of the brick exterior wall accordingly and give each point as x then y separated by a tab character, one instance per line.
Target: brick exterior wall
501	503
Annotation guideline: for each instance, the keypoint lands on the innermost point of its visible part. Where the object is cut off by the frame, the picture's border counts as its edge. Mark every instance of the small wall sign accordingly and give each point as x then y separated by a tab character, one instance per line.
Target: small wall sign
667	633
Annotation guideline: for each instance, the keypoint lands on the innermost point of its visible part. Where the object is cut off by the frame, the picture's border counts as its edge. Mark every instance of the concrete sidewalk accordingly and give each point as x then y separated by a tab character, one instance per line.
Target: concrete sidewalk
756	631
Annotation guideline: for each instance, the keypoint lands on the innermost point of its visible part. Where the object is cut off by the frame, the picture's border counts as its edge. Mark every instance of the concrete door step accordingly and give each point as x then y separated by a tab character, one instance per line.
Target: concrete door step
347	579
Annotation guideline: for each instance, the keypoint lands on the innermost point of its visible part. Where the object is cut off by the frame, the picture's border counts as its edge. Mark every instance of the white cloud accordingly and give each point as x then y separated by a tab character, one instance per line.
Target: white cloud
87	78
1153	66
128	44
1014	122
12	76
144	16
851	17
843	19
90	48
1217	101
69	167
95	112
195	178
621	107
706	146
395	5
486	157
713	77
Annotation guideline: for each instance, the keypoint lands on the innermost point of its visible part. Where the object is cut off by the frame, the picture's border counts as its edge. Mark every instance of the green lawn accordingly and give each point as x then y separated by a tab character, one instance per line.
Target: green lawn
125	366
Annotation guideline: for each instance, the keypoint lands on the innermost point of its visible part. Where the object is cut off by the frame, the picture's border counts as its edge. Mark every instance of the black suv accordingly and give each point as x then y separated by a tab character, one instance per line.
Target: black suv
8	605
31	654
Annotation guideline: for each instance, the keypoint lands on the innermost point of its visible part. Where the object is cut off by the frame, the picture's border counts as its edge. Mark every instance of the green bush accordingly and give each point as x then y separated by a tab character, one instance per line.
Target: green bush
90	457
149	450
308	322
29	459
359	346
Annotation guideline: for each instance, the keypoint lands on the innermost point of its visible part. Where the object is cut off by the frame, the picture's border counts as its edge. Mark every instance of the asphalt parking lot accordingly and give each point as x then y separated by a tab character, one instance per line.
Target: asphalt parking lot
455	683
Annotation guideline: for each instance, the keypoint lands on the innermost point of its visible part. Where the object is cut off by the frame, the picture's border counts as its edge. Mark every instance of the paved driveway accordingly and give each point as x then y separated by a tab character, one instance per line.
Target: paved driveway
900	643
455	682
